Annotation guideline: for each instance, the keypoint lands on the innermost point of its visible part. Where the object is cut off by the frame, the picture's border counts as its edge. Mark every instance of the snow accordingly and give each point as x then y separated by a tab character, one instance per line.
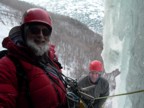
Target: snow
90	12
5	24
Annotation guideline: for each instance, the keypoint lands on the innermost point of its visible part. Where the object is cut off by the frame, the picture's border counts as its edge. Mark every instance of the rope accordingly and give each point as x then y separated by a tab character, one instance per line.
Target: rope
138	91
93	99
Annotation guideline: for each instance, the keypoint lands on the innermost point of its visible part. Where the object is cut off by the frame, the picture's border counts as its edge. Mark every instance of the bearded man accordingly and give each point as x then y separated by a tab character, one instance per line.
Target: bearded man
38	83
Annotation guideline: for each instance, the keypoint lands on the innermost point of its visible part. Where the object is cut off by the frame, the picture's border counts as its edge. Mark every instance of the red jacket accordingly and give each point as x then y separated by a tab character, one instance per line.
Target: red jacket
43	91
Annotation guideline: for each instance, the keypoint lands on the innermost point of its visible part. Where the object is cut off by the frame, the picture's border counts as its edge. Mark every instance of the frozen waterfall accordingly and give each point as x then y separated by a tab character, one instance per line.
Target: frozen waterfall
124	49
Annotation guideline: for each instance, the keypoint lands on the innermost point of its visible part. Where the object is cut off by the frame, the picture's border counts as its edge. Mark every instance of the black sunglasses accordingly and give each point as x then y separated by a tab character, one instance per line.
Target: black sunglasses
36	30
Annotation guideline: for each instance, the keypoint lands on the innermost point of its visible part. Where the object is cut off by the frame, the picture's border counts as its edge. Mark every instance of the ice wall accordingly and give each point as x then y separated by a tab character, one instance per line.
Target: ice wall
124	49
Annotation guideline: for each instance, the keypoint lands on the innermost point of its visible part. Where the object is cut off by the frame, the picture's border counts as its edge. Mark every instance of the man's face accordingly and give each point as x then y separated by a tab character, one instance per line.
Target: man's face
38	38
93	75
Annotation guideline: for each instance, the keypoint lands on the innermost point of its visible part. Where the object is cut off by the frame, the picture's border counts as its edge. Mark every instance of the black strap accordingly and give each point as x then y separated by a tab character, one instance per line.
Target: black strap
21	75
51	70
3	53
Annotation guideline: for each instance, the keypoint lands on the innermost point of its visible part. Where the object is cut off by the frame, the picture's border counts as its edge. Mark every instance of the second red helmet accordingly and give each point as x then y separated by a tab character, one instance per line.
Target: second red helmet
96	66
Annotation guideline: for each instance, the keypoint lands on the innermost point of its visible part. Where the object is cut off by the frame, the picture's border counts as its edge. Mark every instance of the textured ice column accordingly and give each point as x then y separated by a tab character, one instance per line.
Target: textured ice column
124	49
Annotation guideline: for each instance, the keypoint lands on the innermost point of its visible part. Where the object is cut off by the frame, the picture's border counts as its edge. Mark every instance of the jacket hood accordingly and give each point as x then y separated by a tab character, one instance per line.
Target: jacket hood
18	51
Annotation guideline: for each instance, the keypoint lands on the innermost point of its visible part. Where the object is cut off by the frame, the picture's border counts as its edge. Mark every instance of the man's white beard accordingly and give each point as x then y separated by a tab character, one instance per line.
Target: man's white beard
39	50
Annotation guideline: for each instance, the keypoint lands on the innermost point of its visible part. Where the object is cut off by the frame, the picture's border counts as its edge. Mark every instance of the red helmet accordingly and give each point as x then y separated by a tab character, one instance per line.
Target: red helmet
37	15
96	66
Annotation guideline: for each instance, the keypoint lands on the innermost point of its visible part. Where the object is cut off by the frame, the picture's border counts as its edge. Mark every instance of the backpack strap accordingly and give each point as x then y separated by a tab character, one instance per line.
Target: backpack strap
21	75
3	53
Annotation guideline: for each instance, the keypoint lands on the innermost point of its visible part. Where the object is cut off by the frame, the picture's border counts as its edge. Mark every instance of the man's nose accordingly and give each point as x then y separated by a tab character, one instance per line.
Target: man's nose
95	75
40	35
